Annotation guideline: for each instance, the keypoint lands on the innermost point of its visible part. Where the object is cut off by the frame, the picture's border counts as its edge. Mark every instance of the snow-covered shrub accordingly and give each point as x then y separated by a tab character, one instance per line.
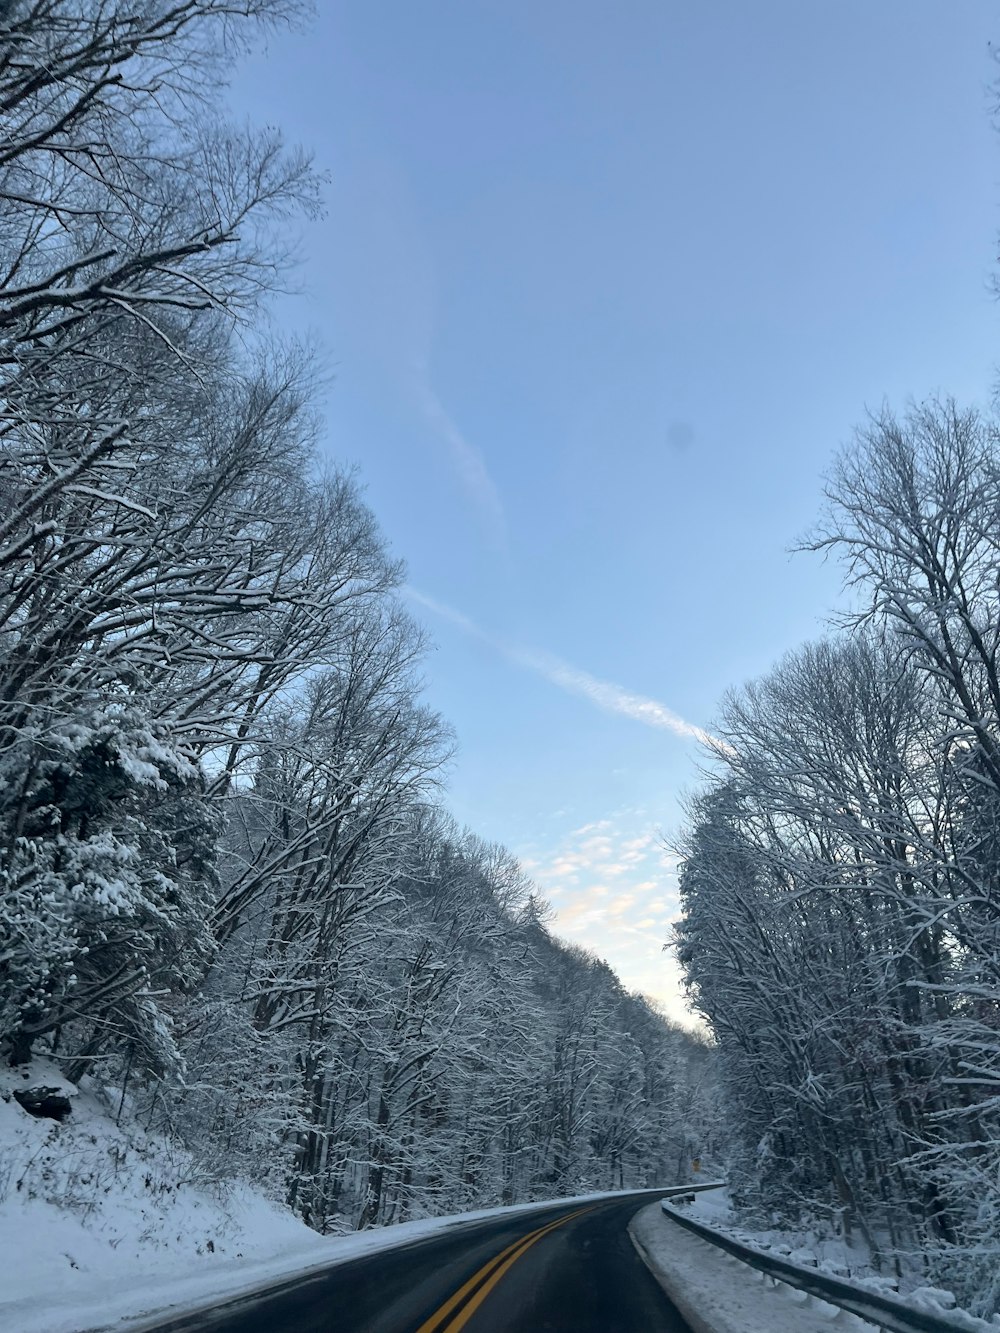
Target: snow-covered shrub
105	888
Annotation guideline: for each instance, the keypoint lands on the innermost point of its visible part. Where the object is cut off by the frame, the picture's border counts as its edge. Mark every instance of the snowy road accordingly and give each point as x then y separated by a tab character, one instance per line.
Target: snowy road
569	1270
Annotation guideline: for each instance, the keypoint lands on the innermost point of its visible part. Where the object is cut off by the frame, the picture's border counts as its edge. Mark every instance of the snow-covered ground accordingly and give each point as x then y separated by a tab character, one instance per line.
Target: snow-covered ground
715	1292
830	1253
88	1209
104	1226
719	1294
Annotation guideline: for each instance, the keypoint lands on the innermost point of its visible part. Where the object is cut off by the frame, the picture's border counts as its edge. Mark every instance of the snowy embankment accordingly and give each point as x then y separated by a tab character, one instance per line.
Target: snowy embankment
102	1226
98	1220
717	1293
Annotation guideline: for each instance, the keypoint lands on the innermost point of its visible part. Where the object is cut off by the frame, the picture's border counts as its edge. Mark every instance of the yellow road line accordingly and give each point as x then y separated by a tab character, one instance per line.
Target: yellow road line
489	1275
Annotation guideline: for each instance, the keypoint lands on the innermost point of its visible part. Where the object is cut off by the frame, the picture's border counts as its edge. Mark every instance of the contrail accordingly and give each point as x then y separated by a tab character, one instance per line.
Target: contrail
612	698
467	460
449	613
604	694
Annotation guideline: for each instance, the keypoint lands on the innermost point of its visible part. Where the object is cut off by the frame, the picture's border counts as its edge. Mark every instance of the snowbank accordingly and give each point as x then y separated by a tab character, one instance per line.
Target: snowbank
88	1208
831	1254
715	1292
720	1294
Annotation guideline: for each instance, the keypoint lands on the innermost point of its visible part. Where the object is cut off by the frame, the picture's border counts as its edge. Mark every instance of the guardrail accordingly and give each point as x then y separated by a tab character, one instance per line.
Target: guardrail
883	1311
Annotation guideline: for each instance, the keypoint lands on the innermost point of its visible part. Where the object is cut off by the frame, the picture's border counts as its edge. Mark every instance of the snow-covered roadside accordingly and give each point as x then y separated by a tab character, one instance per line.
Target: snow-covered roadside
100	1305
720	1294
101	1224
715	1292
175	1295
832	1254
90	1207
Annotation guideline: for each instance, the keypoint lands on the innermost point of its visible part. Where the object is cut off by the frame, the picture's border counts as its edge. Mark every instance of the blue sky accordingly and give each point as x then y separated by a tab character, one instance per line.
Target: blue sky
603	287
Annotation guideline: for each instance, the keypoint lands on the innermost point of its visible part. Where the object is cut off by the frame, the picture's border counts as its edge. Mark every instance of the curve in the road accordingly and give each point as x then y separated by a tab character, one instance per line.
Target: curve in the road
568	1270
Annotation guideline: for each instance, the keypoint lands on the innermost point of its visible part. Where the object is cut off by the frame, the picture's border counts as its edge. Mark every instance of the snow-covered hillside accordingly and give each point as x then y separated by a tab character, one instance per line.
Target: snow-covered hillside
91	1211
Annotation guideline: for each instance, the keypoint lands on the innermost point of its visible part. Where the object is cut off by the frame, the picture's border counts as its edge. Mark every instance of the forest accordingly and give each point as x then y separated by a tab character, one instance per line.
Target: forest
840	887
229	885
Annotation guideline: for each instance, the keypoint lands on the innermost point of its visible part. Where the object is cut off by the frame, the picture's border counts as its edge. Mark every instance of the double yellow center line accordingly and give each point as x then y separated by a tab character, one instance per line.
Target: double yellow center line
459	1308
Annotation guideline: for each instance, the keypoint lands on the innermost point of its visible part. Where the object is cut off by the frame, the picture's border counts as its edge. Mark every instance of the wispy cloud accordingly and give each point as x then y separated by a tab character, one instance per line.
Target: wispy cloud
612	698
390	302
467	460
449	613
602	693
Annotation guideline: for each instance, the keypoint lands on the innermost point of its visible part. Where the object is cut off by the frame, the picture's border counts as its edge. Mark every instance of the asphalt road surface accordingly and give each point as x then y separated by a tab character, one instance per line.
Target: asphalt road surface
568	1269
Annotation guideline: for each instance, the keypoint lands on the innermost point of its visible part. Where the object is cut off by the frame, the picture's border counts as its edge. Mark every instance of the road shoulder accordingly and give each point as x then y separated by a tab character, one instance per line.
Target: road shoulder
715	1292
